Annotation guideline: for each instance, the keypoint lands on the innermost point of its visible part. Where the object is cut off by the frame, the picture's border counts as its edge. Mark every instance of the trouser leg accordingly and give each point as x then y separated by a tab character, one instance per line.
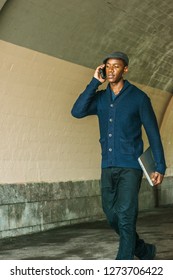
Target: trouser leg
119	188
144	251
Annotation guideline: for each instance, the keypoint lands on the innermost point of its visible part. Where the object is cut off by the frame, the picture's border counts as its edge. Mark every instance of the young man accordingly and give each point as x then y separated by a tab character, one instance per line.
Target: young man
122	109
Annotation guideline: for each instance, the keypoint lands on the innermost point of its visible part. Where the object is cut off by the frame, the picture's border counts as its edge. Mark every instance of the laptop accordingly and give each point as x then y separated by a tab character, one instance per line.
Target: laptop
147	163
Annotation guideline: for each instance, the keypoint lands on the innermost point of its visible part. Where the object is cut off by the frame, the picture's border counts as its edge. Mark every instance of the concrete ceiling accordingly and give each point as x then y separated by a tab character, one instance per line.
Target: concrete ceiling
2	2
82	32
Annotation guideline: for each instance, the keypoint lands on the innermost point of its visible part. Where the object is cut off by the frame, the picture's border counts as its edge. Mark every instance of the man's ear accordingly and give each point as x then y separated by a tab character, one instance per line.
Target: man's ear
126	69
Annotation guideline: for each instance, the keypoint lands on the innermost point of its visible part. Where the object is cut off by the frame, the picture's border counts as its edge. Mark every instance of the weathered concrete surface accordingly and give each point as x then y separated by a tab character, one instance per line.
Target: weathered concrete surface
28	208
2	2
84	31
91	241
35	207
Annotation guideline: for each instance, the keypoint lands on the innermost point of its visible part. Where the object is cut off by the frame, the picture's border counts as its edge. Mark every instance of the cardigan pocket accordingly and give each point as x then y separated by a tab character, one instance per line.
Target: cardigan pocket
127	147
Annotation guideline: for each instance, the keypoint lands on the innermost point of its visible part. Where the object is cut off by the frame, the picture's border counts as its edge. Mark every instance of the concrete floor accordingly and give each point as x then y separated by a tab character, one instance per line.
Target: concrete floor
91	241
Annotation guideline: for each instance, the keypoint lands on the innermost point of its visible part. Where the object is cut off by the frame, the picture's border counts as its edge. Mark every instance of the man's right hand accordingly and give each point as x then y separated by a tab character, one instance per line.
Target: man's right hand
97	73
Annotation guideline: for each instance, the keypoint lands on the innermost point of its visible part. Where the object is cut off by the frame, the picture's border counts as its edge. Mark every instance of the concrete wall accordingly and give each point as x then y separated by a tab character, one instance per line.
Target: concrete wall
48	52
28	208
40	140
167	136
34	207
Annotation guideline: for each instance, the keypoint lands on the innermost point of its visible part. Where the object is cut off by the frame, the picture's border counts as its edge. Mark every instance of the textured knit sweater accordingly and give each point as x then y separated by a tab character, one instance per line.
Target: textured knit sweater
120	123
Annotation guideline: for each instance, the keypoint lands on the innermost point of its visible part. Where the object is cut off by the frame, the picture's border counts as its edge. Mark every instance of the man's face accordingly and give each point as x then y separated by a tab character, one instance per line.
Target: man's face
115	69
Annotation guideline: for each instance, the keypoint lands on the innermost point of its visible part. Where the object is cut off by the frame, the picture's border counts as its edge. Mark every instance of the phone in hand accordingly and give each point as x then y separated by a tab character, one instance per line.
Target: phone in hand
103	72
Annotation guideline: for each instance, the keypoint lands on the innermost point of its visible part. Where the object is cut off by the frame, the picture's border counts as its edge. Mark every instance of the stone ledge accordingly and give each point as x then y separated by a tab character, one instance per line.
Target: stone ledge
34	207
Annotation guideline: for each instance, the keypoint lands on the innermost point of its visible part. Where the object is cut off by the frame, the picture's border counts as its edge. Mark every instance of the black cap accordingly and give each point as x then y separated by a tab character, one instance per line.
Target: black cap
119	55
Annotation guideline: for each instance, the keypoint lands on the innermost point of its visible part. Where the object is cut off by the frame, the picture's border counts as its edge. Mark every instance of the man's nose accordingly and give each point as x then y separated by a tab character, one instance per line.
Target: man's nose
111	69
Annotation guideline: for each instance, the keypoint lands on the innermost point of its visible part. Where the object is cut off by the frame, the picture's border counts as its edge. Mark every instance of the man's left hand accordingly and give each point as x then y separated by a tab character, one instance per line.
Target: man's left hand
157	178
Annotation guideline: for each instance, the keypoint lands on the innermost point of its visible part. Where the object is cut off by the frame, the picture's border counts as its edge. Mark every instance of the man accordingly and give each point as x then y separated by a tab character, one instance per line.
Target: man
122	109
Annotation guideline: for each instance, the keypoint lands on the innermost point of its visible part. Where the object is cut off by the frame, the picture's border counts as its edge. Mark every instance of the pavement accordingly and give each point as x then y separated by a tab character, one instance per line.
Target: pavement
91	241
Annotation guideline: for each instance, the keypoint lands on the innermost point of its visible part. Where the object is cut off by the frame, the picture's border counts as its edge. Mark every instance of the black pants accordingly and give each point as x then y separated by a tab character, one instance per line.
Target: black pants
119	189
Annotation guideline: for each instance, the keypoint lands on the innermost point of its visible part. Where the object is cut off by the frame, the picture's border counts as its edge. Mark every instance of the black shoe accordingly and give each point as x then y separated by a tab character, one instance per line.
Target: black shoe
151	252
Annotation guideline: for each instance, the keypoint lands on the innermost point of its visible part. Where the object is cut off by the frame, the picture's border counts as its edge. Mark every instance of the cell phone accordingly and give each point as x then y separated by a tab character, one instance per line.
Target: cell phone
103	72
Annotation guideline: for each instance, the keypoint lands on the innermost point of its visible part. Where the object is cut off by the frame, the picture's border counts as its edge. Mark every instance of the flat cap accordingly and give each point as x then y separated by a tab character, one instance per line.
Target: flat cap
119	55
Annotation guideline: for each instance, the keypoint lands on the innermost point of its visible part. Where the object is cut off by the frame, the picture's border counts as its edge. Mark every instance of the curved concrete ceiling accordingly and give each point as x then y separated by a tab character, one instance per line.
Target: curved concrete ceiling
2	2
82	32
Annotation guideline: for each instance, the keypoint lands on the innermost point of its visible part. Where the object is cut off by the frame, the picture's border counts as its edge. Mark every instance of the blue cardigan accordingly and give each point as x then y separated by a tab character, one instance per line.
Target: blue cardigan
120	123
